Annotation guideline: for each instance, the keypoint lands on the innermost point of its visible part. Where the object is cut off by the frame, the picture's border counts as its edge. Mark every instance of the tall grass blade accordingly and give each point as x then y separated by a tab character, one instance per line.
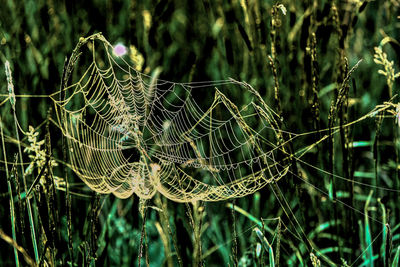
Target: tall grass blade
266	245
395	262
12	242
12	211
28	203
367	229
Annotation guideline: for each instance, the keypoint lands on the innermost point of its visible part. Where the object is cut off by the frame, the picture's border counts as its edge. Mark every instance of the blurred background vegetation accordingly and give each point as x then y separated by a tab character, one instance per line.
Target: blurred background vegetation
304	47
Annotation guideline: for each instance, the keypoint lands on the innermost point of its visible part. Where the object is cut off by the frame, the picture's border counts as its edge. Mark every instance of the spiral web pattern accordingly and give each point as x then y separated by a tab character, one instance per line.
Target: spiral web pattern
131	133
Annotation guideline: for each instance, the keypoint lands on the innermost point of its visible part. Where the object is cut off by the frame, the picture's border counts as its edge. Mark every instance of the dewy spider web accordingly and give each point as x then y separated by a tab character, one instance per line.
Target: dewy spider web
128	133
131	133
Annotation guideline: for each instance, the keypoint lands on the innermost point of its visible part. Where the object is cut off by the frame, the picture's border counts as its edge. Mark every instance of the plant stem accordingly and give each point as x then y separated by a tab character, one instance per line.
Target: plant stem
12	217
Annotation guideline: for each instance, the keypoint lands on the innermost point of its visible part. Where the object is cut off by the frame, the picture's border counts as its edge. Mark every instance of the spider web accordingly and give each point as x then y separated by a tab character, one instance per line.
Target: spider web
130	133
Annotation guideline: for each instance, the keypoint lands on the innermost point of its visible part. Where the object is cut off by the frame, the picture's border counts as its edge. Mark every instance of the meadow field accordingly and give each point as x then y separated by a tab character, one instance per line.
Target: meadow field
199	133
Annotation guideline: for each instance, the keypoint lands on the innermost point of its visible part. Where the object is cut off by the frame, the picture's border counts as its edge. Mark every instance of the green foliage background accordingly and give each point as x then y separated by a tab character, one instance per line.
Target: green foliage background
214	40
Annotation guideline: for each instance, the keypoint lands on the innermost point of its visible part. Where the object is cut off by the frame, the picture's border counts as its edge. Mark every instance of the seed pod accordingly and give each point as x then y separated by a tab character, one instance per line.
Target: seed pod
10	84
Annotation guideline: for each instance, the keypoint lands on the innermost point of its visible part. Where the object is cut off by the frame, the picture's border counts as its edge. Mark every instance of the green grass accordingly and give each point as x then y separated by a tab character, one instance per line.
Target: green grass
332	206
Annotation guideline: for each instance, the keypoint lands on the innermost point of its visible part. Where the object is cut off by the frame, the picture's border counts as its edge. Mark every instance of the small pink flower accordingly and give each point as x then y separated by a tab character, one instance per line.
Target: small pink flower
120	50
